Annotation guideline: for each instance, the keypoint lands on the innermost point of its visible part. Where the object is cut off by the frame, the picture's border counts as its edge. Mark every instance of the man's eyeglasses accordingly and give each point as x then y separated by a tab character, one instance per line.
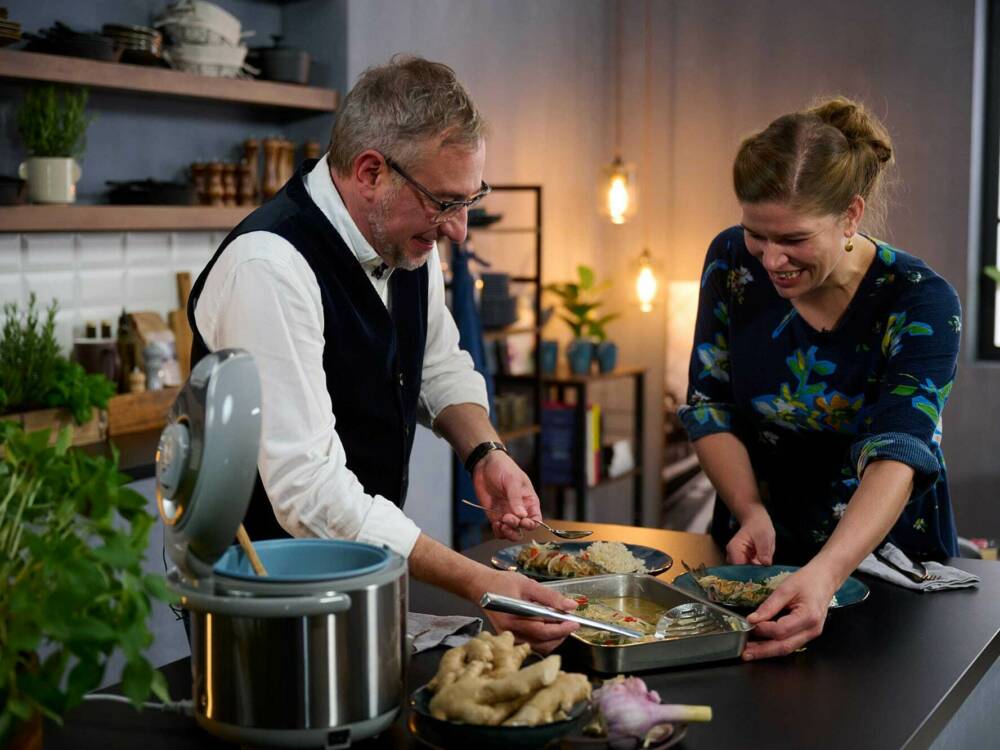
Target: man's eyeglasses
446	210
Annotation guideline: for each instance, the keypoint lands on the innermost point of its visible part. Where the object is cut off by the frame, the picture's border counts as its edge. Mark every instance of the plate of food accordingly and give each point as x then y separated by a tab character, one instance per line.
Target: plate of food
747	586
551	561
491	695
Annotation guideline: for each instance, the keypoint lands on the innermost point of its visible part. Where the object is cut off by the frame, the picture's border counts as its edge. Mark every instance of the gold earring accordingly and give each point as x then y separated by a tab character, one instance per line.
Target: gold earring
849	246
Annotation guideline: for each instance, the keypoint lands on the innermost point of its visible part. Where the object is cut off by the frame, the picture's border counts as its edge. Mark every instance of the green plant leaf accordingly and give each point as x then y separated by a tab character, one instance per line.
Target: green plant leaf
586	276
992	272
137	679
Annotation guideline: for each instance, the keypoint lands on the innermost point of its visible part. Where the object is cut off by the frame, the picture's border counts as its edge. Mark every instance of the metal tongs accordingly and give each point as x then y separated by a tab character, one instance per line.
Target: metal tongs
522	608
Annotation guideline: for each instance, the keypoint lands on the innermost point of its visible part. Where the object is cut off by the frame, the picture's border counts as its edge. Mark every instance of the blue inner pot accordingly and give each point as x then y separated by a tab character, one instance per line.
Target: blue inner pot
288	560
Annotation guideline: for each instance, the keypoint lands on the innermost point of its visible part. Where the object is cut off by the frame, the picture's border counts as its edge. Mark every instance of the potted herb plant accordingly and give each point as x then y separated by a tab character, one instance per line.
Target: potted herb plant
53	126
72	588
580	301
39	387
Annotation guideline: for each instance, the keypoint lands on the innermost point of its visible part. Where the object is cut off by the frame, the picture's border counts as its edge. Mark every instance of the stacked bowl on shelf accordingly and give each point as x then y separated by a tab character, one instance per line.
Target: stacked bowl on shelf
204	39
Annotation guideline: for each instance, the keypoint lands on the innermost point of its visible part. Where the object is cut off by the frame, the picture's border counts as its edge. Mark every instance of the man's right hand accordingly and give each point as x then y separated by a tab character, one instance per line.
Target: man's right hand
543	635
754	543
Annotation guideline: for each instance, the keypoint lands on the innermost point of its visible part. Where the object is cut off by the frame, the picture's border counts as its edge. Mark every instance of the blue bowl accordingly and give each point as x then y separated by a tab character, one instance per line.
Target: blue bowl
304	560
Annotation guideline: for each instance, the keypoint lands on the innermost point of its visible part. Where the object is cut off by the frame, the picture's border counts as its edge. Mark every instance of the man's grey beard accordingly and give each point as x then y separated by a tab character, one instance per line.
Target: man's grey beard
392	254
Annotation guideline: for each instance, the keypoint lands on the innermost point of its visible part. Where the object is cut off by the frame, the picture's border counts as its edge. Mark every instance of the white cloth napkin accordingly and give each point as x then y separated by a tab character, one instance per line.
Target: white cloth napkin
894	560
431	631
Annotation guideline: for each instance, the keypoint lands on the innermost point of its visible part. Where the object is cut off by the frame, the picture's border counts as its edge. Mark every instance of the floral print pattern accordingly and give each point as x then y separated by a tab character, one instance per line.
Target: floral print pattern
815	408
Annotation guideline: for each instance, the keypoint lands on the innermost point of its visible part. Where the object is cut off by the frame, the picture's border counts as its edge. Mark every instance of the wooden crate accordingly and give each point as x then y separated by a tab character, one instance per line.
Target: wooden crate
138	412
95	430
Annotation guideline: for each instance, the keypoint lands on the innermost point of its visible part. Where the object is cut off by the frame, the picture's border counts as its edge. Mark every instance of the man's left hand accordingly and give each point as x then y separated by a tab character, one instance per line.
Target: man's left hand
503	487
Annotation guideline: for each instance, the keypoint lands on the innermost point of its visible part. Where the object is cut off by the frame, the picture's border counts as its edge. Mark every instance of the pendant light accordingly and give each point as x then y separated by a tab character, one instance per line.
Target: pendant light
618	194
646	282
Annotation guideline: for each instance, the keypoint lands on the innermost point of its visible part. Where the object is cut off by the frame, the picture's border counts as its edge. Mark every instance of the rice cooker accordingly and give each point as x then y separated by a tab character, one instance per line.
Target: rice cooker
314	654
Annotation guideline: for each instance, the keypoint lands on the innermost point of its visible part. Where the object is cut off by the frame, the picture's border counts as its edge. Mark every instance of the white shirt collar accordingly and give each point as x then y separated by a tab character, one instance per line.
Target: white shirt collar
320	187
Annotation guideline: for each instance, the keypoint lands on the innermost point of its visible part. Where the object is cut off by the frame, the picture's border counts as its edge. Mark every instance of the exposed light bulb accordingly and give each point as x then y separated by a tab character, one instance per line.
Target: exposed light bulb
646	283
617	195
618	199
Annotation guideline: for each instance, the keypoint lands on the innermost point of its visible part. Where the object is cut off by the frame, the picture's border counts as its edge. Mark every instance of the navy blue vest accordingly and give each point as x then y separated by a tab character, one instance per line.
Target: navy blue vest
373	361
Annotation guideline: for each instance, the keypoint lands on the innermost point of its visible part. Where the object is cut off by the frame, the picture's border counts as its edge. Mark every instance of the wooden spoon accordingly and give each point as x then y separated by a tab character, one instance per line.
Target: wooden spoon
247	545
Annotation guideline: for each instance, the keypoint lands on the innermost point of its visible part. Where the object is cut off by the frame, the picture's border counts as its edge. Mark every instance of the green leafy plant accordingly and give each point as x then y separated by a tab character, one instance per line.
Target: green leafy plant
33	375
72	588
580	301
993	272
52	123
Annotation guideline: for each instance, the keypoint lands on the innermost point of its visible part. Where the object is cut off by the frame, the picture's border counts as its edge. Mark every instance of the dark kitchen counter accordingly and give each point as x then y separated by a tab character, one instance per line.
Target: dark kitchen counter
891	672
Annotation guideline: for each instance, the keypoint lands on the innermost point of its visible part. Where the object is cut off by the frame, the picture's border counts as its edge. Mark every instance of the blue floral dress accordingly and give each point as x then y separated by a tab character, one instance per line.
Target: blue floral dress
815	408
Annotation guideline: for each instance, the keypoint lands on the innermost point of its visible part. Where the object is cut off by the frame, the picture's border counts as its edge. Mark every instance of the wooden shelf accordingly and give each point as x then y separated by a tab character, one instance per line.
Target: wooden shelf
136	412
83	218
531	429
36	66
502	333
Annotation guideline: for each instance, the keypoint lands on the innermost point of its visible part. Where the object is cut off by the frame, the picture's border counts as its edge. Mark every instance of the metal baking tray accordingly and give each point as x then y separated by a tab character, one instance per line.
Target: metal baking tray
637	657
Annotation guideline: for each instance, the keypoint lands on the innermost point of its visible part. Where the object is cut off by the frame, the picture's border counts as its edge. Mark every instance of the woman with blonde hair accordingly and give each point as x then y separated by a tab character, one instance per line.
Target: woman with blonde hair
822	360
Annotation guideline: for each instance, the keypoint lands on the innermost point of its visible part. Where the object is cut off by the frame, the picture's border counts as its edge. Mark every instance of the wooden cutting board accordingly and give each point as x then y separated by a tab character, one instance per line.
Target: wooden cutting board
179	324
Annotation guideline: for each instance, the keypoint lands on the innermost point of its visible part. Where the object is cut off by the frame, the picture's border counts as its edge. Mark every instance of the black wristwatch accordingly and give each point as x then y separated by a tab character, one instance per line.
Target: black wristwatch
480	451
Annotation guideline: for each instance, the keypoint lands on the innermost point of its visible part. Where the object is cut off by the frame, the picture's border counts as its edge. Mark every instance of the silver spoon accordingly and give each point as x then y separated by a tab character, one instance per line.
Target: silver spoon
561	533
690	618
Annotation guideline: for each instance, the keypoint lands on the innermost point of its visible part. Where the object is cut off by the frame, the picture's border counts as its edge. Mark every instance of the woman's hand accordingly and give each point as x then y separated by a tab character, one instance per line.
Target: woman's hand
503	487
543	635
806	596
754	543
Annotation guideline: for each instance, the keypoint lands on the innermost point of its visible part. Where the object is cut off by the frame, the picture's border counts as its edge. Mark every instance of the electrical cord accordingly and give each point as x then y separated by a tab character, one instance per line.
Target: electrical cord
183	708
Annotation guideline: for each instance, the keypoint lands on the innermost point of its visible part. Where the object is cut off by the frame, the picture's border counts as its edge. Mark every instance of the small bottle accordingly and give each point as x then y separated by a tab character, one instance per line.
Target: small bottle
126	353
90	330
105	329
136	381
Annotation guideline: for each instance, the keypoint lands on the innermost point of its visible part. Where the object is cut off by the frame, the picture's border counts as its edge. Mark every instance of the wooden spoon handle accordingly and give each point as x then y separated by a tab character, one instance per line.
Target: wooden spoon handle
244	540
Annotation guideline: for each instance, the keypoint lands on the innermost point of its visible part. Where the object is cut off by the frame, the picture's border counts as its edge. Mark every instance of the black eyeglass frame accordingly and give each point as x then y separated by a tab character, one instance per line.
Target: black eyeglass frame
446	209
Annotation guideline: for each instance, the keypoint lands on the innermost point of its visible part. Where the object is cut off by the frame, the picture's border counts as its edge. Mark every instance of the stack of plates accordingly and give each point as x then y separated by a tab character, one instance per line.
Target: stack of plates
141	45
10	31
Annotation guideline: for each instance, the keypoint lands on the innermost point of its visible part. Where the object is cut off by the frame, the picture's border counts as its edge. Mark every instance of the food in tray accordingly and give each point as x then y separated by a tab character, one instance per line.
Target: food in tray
597	559
483	682
629	612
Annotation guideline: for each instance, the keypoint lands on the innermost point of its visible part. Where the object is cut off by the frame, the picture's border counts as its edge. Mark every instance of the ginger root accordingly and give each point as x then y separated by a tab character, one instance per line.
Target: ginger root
552	703
481	682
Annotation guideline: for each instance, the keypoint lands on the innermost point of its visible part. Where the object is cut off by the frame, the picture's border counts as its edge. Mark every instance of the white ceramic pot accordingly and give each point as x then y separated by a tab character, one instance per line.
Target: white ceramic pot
51	179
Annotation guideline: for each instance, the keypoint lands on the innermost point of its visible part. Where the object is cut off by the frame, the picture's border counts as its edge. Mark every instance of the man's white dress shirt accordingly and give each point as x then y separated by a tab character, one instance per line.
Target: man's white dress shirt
262	296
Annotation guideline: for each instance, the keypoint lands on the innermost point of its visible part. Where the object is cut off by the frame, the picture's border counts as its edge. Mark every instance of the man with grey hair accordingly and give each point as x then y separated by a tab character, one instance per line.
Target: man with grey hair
335	287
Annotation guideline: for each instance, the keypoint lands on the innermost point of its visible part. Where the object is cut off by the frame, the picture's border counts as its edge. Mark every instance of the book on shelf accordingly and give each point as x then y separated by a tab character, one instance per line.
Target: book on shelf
560	430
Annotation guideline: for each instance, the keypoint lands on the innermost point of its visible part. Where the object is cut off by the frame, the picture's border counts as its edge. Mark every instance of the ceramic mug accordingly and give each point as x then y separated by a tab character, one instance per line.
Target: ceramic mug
580	354
50	179
607	356
549	356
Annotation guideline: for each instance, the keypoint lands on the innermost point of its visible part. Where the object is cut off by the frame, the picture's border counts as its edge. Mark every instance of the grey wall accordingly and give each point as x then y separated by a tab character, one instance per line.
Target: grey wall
539	72
723	69
135	136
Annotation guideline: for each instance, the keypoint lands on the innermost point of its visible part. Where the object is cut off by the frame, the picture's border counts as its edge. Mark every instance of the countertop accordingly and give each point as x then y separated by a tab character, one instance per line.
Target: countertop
887	673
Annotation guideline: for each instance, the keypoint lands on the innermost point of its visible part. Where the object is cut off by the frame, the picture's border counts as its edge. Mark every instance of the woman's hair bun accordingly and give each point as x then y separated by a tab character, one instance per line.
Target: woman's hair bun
859	126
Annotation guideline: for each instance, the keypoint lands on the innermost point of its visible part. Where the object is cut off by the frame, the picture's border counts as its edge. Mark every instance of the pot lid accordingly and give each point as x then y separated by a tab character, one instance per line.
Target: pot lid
206	461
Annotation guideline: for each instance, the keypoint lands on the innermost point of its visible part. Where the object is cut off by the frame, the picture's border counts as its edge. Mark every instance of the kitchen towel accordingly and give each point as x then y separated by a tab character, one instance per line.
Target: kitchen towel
431	631
891	564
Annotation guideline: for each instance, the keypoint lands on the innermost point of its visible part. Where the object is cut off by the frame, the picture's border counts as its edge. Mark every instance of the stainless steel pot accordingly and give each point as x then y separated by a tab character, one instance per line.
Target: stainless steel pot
313	655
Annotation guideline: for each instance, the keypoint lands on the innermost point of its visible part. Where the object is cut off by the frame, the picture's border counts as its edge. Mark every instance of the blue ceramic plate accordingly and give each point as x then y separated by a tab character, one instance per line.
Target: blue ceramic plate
506	559
446	734
851	592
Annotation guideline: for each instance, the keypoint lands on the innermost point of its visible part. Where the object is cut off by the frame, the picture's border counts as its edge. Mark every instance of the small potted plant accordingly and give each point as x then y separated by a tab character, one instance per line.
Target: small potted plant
579	311
53	127
72	587
39	387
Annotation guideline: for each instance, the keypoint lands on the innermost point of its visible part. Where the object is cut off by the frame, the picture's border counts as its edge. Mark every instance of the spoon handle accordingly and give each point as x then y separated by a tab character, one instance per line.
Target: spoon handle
512	606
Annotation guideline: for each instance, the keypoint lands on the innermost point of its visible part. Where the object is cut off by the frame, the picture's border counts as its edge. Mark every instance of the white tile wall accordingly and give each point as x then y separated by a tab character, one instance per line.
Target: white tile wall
94	275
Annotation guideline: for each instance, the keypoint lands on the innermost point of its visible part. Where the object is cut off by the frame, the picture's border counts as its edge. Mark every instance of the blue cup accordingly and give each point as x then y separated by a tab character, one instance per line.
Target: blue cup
580	354
549	356
607	356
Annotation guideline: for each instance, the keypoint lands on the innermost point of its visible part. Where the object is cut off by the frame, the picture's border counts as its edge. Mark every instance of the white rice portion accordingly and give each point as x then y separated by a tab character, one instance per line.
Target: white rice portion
615	558
774	581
